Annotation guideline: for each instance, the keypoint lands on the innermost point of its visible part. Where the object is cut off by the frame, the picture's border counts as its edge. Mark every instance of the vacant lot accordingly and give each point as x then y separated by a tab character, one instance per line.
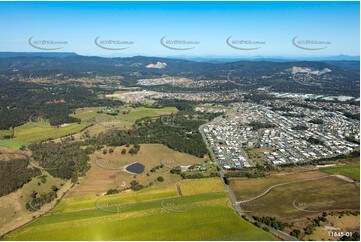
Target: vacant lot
249	188
298	203
125	217
107	170
257	155
303	199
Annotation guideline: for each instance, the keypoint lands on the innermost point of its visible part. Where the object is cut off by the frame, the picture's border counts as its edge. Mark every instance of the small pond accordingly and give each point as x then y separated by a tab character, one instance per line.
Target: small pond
137	168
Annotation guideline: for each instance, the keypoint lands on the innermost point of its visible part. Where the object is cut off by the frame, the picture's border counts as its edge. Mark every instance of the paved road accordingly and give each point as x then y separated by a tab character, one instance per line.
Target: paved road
231	195
228	79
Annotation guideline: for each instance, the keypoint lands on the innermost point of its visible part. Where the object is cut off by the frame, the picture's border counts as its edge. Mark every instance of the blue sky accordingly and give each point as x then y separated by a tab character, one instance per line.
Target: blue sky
209	23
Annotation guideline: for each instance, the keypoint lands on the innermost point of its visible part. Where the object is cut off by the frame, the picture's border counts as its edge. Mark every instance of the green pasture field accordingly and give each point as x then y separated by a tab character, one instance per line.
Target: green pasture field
135	113
11	144
351	169
150	214
199	186
38	131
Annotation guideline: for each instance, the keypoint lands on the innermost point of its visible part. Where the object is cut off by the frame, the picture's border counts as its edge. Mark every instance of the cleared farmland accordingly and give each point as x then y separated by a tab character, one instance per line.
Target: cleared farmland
126	115
107	170
298	198
350	169
248	188
293	201
199	186
125	217
39	131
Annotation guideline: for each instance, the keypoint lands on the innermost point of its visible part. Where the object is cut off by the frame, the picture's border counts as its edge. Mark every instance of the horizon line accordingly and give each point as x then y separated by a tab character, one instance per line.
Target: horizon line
183	56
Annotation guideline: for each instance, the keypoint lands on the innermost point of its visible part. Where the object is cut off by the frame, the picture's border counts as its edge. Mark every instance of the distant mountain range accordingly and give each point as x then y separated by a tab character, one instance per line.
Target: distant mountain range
210	59
342	79
223	59
68	61
35	54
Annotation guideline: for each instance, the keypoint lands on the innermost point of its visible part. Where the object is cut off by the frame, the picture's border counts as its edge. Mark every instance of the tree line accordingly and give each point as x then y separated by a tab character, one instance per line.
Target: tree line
14	173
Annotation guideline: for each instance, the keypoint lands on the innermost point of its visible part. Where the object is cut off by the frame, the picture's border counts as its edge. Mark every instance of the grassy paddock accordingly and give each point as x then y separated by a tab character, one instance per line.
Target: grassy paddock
350	169
294	201
39	131
87	114
244	188
199	186
300	203
196	217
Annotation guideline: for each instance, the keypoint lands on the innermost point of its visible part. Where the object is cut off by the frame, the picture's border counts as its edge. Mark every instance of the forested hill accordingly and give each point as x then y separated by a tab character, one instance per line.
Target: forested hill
72	62
317	77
